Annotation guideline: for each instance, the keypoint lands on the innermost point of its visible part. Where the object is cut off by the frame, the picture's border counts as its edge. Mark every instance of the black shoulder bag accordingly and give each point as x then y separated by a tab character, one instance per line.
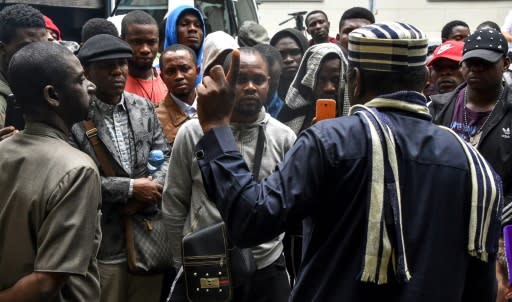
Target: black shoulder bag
212	265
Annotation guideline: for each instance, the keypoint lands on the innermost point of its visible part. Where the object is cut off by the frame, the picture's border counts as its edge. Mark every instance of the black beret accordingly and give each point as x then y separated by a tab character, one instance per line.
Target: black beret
104	47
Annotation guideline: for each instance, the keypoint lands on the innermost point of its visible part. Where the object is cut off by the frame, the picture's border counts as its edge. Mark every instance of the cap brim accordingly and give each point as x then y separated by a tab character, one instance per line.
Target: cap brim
110	56
484	54
451	58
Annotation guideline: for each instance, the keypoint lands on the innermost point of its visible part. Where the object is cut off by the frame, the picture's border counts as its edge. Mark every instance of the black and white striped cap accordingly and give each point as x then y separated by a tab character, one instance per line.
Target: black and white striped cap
388	46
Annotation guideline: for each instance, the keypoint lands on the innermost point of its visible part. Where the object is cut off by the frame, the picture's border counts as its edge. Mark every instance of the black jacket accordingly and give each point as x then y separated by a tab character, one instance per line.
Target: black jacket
496	141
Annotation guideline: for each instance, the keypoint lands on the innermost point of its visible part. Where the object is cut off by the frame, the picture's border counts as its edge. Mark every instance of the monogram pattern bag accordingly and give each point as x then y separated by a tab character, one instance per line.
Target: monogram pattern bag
147	239
148	242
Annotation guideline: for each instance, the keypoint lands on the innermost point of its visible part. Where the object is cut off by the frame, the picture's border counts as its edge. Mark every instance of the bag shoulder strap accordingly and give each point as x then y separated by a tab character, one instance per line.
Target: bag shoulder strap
99	149
258	156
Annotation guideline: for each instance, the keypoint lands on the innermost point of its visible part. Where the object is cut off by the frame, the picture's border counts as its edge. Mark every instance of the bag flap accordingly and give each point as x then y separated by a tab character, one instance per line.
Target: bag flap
208	241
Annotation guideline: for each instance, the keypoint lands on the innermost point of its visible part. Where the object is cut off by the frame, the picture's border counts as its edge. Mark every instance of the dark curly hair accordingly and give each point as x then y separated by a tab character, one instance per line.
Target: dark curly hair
96	26
448	28
136	17
17	16
356	13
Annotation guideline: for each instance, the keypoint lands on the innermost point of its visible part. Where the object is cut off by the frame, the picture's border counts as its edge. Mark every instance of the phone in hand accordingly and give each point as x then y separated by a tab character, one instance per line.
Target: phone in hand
14	114
325	109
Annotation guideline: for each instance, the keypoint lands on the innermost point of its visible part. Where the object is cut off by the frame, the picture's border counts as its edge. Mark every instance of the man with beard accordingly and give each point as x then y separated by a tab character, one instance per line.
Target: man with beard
179	71
140	30
184	198
128	128
479	110
50	195
445	75
317	25
185	25
292	45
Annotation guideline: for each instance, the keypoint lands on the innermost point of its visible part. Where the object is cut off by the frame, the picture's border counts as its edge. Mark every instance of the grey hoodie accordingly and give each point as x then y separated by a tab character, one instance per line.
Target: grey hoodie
184	196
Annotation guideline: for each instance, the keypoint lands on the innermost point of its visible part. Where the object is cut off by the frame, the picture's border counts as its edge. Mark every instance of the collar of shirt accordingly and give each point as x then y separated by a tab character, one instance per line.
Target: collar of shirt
108	108
189	110
44	129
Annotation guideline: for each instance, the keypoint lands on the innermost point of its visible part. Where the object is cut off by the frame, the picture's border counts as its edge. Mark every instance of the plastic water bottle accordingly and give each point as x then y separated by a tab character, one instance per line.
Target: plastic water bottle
155	160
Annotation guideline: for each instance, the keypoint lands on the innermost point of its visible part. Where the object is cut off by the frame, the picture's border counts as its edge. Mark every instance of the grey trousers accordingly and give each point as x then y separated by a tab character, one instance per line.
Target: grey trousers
119	285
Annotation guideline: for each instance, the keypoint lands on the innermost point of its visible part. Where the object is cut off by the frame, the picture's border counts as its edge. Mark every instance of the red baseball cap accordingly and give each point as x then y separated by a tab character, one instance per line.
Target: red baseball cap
51	26
451	50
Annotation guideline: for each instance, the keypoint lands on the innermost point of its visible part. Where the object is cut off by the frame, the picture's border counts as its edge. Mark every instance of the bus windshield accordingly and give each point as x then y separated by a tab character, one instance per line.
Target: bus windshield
223	15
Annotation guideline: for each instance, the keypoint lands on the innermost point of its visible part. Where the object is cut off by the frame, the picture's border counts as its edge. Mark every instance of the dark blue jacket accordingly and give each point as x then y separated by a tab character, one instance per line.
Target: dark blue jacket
323	181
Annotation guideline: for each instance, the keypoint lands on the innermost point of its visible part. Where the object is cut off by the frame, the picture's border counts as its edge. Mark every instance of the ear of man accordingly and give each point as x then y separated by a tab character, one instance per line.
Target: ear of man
51	96
506	64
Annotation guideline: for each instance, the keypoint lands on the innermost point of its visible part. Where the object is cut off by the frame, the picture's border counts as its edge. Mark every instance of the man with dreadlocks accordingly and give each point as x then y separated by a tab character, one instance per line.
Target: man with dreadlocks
395	208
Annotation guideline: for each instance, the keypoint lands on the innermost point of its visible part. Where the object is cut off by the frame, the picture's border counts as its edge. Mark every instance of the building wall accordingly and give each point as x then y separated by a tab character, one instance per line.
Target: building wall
427	15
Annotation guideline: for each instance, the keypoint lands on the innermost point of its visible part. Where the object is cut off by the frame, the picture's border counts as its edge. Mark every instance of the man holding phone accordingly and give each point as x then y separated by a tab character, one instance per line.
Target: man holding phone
320	76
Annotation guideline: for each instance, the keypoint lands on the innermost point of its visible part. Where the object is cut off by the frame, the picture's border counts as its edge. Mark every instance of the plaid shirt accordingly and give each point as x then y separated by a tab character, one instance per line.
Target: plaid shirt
119	130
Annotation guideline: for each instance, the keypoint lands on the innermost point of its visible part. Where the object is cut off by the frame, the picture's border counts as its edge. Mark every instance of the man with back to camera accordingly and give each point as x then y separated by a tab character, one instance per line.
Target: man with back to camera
373	227
140	30
50	195
129	130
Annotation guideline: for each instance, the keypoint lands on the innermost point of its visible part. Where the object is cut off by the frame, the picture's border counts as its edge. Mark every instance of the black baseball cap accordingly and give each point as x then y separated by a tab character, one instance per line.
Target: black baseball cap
104	47
486	44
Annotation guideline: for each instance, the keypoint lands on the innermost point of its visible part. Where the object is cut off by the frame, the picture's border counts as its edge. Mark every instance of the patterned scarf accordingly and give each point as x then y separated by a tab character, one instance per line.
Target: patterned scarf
385	204
306	78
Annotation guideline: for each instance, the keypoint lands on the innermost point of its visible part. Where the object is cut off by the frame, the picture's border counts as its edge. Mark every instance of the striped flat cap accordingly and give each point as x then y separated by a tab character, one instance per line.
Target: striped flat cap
388	47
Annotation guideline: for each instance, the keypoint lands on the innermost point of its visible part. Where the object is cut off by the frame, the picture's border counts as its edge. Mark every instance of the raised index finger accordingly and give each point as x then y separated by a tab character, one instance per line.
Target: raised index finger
232	74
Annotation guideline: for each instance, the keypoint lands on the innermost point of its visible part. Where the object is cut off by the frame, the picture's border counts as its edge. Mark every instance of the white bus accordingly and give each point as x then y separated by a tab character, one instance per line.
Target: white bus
70	15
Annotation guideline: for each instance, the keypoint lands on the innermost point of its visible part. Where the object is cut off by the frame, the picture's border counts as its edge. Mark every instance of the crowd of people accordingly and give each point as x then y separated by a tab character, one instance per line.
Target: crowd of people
402	197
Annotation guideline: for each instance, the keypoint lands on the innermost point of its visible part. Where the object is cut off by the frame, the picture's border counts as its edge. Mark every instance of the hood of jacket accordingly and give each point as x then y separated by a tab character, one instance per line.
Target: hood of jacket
216	44
296	35
171	31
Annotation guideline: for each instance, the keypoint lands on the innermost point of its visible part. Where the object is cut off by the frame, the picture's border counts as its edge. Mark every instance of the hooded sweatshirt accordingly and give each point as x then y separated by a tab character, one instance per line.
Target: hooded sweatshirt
299	106
171	32
301	41
216	44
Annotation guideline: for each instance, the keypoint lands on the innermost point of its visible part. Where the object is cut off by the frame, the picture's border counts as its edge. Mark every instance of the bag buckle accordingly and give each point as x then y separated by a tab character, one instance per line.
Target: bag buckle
209	282
91	132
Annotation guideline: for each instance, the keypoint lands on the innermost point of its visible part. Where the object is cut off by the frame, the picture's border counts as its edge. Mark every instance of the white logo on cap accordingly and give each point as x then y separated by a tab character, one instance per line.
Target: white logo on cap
444	48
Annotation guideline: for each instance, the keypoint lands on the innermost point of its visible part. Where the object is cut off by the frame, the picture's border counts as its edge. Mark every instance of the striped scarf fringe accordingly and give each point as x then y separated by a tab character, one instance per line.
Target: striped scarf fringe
485	193
384	205
384	189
